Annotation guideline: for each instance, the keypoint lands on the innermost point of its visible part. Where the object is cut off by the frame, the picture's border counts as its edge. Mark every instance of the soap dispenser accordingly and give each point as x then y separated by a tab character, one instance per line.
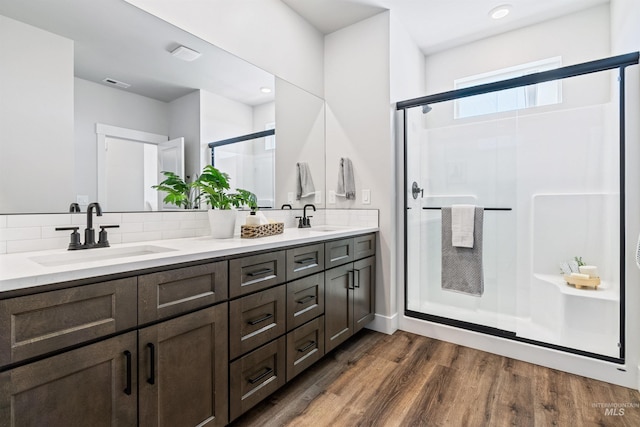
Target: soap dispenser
252	218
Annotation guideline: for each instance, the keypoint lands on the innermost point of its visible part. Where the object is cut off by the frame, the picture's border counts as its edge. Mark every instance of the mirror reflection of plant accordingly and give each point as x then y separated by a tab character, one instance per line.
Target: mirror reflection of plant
214	188
179	192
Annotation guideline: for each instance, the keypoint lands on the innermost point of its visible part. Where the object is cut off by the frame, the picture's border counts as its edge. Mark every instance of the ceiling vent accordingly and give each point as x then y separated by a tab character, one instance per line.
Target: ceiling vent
114	82
186	54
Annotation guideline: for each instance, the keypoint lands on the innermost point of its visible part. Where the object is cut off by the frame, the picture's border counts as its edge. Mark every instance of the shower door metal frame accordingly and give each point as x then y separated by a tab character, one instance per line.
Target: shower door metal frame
620	62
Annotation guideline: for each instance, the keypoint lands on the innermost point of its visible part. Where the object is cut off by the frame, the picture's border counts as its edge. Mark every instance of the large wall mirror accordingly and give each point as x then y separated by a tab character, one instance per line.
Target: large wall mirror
91	92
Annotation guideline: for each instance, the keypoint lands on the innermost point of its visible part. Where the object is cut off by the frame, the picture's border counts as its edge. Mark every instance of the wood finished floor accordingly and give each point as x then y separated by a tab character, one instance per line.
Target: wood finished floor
409	380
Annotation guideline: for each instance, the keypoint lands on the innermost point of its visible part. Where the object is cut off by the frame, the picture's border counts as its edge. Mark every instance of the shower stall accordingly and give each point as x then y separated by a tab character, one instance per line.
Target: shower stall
544	155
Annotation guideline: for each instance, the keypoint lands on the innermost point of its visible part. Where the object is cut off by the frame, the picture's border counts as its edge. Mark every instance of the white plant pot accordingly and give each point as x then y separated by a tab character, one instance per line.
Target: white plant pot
222	223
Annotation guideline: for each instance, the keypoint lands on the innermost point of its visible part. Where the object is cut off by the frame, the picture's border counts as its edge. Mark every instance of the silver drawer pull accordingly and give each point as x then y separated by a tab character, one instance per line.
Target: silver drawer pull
306	299
260	319
260	272
268	371
307	347
306	260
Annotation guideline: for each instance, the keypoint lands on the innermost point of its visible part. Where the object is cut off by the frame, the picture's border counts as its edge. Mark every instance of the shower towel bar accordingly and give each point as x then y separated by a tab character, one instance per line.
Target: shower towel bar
437	208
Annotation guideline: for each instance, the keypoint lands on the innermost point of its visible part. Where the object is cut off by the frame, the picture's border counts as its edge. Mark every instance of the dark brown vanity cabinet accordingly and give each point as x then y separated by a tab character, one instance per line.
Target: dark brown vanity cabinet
182	376
349	290
94	385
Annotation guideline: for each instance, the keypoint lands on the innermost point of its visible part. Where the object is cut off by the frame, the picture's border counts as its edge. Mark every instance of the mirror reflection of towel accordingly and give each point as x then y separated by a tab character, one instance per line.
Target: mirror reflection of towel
346	183
304	187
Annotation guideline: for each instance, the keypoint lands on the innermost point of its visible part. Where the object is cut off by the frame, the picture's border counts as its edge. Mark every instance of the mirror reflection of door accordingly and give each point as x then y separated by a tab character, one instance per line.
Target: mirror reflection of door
130	162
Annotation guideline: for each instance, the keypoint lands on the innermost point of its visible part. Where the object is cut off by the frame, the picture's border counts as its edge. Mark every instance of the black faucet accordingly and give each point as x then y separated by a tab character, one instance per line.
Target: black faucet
74	207
305	221
89	232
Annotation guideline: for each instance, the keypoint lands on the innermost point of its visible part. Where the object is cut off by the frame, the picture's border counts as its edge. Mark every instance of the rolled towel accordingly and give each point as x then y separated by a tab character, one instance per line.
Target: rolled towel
462	225
346	182
304	187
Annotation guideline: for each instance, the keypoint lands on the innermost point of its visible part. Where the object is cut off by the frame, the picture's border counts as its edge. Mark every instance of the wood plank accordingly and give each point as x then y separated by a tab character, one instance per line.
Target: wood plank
408	380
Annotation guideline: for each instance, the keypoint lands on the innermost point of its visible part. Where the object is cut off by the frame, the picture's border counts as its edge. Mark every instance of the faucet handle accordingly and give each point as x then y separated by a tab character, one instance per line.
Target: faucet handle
102	236
74	242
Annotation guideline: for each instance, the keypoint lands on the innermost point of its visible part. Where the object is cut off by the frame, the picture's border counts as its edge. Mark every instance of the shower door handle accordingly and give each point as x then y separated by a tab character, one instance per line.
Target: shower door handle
415	190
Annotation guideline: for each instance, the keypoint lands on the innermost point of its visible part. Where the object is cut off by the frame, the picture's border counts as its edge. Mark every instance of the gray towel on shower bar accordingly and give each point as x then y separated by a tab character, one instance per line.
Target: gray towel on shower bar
346	182
462	267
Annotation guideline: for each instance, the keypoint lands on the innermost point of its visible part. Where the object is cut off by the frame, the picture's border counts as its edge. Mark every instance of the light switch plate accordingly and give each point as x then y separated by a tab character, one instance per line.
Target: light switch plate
366	197
318	198
290	197
332	197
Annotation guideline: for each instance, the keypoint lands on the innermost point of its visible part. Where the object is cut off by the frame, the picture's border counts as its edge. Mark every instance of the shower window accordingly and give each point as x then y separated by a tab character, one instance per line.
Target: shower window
551	182
517	98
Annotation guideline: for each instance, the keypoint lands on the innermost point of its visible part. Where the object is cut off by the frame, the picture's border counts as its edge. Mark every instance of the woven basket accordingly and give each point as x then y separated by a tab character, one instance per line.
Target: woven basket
254	231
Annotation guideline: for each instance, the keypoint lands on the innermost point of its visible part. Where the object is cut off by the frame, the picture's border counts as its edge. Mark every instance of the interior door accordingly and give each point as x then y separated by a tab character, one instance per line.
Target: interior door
170	159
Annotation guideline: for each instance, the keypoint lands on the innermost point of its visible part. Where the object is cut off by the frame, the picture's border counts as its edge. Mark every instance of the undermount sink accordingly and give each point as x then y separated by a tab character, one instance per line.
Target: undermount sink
98	254
325	228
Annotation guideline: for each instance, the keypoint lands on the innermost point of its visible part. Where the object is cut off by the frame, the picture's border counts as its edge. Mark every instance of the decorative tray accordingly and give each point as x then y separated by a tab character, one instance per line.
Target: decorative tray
264	230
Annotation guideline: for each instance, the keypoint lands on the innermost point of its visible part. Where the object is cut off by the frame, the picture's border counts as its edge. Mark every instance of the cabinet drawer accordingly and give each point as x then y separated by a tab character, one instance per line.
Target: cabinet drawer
172	292
364	246
338	252
256	375
305	300
305	346
305	261
252	273
38	324
256	319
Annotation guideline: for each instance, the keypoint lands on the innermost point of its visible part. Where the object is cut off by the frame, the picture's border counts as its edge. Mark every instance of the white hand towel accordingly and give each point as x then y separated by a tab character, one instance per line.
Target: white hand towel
462	219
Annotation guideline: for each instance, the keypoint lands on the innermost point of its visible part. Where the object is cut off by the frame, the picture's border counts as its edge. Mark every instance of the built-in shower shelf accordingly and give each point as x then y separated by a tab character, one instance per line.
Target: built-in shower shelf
605	290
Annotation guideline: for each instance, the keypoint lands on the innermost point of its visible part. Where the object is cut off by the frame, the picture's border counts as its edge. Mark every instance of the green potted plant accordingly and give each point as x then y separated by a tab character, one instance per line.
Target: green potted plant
178	191
214	188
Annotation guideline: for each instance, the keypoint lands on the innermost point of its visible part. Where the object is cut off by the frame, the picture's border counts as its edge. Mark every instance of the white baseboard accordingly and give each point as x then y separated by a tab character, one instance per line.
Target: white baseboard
385	324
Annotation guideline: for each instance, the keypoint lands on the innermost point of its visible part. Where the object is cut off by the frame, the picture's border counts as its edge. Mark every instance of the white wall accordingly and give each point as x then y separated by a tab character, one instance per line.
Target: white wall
300	137
184	121
625	38
358	126
97	103
266	33
36	87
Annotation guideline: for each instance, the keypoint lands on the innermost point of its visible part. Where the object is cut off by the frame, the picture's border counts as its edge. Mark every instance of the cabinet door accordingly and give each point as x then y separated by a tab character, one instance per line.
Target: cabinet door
173	292
364	292
338	305
183	370
93	386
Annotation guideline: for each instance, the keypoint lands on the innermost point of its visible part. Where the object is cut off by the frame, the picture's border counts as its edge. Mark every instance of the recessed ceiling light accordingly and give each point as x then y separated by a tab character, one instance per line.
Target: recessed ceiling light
265	89
186	54
500	11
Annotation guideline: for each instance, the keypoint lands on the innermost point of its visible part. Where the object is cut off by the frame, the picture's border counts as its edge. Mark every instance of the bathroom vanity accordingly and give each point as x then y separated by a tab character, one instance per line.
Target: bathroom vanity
196	334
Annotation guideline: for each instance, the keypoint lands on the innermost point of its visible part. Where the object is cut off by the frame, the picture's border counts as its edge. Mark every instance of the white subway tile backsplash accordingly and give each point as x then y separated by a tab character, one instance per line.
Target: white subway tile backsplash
20	233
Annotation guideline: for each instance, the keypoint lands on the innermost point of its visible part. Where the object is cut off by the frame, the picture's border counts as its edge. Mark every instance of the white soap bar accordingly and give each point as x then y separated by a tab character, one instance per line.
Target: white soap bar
591	270
580	275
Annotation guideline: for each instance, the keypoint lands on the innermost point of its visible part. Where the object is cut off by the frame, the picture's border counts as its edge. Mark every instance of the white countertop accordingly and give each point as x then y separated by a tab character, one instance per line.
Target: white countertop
21	270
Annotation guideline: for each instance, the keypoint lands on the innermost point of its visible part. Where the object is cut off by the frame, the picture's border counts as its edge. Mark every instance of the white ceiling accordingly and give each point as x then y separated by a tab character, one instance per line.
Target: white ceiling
117	40
437	24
